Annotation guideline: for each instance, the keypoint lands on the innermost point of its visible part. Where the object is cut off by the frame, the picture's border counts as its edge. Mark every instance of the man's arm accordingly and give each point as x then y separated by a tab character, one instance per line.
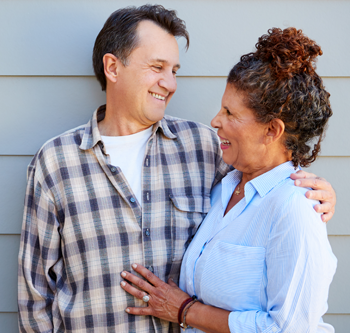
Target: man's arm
39	251
322	191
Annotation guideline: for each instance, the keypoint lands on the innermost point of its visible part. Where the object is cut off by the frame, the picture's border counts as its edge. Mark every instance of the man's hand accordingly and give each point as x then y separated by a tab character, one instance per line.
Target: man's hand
322	191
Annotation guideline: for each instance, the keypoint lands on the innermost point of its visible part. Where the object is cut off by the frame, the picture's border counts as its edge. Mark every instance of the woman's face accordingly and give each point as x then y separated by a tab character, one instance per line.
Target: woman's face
241	136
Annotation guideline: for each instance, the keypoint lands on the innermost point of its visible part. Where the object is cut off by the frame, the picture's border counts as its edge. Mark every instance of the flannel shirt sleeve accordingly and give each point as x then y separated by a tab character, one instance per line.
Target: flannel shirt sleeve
39	253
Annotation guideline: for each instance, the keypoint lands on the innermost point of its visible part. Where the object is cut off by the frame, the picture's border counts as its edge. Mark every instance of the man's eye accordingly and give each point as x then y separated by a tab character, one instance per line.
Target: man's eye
158	67
228	112
174	72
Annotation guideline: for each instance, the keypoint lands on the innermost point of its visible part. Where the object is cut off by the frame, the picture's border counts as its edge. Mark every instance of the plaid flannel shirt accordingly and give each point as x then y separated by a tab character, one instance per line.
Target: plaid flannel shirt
83	225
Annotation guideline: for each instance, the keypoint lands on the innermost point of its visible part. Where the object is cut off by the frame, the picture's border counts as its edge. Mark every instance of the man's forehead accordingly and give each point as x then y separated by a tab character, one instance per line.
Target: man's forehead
158	43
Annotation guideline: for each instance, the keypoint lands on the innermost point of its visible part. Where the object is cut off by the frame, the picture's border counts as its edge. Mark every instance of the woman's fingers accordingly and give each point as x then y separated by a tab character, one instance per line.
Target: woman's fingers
172	283
164	299
140	311
142	284
148	275
132	290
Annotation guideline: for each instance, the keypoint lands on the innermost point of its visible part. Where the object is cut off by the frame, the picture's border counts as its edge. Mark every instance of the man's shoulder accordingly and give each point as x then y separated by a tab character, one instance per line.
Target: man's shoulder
66	142
70	137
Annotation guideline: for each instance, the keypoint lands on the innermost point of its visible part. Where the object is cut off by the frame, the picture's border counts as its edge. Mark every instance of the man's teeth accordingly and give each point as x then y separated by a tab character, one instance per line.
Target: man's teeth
158	96
225	142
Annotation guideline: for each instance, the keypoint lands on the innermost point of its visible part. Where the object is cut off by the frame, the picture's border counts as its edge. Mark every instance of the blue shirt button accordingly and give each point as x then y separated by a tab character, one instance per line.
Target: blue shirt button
132	200
147	232
150	268
113	169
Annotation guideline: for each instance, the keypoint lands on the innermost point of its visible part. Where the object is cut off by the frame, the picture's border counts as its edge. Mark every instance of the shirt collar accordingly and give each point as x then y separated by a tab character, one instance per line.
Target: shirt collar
268	180
262	184
92	134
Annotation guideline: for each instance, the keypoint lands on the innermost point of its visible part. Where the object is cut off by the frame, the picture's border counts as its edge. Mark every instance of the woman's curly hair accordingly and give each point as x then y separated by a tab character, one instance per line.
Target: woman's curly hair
279	81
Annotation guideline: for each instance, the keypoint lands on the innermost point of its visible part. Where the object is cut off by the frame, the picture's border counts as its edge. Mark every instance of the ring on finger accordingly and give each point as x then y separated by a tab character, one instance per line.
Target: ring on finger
146	298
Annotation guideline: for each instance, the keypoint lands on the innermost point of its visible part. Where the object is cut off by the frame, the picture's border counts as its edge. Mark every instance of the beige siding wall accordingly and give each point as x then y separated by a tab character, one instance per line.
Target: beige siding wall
47	86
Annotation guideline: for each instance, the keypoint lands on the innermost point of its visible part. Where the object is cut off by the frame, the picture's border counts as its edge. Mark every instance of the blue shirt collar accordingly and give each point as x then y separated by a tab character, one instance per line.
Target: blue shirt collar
262	184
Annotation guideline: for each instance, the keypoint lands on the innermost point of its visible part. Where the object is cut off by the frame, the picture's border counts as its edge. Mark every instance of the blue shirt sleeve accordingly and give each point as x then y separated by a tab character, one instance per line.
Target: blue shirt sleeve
300	267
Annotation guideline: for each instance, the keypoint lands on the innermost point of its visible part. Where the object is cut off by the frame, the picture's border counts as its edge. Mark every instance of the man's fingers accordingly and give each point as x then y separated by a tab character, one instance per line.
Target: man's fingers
319	195
327	216
300	174
315	183
325	207
148	275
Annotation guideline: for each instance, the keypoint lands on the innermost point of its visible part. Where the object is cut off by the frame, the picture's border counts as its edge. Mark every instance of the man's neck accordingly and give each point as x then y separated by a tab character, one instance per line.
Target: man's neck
115	124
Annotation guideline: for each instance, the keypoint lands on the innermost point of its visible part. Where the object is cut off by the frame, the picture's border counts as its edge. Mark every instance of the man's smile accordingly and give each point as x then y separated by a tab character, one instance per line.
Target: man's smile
157	96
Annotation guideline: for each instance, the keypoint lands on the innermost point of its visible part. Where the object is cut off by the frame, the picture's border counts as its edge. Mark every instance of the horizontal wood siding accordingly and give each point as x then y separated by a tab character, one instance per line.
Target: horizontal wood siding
47	87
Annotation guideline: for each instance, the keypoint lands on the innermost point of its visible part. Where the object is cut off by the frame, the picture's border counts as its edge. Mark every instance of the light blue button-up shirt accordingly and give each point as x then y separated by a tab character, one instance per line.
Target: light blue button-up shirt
268	260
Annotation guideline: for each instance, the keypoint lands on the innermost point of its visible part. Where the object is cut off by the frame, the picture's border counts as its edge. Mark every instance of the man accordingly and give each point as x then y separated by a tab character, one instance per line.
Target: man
130	186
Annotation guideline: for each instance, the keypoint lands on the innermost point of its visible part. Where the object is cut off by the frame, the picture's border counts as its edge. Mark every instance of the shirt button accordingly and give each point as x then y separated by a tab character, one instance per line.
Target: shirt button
147	232
150	268
113	169
132	200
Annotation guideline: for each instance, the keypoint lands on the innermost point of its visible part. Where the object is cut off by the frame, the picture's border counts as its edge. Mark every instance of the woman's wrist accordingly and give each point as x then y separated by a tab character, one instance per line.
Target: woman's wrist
182	309
191	314
183	315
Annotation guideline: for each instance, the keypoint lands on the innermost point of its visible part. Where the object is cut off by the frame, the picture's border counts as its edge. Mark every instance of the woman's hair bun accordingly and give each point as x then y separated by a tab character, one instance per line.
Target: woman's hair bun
288	51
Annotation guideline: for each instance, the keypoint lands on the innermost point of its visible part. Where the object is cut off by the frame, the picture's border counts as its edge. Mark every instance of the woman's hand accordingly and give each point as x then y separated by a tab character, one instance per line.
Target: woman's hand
322	191
165	299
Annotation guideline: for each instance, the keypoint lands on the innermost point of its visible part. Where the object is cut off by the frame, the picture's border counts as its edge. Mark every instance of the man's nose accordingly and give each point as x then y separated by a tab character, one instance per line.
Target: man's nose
168	82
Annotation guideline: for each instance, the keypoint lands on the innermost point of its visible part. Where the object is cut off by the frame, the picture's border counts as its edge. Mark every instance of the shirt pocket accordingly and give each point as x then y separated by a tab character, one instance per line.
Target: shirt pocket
187	213
232	277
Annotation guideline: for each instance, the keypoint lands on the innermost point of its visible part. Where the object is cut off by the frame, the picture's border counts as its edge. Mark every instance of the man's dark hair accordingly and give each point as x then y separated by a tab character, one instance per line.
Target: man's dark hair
118	35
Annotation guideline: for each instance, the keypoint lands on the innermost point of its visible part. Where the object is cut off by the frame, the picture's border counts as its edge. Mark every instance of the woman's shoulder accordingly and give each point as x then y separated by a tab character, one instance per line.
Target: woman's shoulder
292	207
288	193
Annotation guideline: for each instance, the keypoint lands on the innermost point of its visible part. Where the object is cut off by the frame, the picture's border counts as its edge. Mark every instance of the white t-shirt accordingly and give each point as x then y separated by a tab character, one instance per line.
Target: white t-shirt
127	152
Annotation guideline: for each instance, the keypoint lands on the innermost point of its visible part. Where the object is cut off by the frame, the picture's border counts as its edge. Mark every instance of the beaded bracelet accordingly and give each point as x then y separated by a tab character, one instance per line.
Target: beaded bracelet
182	307
183	324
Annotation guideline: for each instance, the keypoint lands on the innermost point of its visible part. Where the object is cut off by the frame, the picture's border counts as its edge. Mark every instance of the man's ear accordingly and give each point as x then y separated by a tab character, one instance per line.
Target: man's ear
110	66
274	130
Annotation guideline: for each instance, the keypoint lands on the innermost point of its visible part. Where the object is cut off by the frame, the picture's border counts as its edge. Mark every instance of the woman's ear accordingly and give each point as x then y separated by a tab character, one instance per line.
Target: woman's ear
275	130
110	65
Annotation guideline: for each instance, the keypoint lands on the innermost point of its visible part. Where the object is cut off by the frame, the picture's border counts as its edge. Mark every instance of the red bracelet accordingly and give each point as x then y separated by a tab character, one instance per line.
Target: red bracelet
183	305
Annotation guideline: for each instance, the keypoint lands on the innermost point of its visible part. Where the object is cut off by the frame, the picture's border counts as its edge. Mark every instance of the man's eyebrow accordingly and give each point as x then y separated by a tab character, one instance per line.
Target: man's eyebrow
177	66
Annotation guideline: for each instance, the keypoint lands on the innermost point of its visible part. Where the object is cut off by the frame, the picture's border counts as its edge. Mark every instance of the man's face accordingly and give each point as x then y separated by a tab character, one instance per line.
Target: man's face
148	82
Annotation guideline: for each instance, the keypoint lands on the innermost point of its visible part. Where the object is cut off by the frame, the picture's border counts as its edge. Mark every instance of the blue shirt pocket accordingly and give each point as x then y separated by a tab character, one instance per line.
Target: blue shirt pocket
232	277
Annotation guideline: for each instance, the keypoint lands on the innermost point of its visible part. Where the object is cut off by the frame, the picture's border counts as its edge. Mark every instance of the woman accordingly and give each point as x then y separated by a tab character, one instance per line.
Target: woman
261	261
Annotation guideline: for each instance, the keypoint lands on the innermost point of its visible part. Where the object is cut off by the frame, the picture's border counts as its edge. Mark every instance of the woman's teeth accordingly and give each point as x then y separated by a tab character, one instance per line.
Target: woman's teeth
157	96
225	142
